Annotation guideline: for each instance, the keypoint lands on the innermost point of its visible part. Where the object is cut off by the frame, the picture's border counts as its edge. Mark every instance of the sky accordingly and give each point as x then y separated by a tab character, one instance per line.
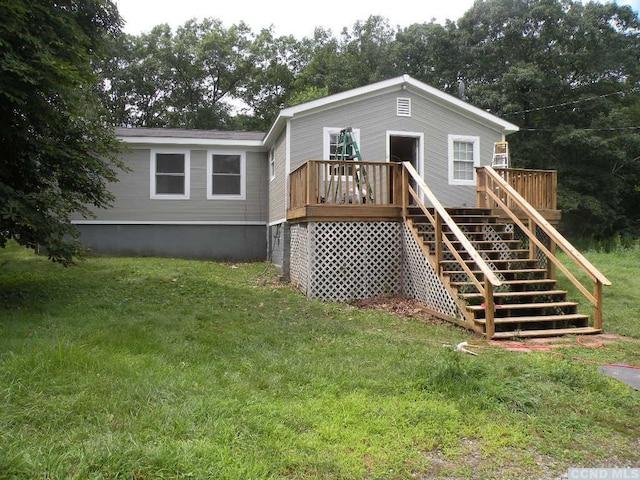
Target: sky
292	18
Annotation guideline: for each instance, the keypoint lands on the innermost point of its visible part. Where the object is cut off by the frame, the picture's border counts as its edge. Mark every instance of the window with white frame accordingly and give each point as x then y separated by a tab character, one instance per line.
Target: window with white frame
226	176
272	163
170	174
330	142
464	157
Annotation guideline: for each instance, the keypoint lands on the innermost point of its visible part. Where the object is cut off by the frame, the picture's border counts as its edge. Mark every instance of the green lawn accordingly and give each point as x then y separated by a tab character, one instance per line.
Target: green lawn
142	368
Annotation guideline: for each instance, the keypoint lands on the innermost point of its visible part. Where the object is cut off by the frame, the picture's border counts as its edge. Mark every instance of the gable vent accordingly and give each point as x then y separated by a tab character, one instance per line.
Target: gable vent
403	107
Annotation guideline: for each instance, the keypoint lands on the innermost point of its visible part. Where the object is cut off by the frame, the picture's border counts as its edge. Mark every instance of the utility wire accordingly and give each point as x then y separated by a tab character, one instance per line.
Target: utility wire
611	129
537	109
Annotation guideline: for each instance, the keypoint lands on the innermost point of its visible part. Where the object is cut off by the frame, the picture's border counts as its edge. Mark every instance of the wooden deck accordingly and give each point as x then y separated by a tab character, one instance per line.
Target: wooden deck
323	190
496	261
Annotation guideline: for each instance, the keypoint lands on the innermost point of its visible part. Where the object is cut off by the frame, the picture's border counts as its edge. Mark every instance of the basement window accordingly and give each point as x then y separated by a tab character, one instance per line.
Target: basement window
403	107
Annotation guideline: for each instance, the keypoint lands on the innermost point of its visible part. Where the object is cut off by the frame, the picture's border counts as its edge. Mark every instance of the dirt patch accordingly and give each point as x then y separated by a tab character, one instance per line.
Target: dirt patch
404	307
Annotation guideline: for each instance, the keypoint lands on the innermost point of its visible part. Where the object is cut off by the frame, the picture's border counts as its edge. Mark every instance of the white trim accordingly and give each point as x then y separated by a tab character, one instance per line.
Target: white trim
190	141
476	157
326	137
277	222
243	175
287	165
420	136
152	171
151	222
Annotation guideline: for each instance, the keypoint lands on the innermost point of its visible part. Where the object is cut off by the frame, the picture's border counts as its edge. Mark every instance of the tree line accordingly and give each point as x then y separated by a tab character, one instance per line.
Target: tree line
566	72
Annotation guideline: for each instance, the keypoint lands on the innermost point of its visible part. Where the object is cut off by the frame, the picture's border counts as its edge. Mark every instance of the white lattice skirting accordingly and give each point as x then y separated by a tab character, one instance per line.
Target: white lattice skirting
421	281
342	261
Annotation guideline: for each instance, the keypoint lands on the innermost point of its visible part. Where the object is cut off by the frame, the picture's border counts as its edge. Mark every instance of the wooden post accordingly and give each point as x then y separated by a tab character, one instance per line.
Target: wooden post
481	185
489	310
438	242
597	309
395	197
405	192
311	187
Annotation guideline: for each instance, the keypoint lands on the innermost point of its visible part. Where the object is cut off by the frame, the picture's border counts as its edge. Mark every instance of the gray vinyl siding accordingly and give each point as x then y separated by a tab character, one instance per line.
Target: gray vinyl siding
277	186
374	116
133	202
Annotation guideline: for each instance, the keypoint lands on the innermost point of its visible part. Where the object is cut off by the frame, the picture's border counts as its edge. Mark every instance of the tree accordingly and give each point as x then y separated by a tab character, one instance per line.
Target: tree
276	63
58	152
181	79
429	52
568	73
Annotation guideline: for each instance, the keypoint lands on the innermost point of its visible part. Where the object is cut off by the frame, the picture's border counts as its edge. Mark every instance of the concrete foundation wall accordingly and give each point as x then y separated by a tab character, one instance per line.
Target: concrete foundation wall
210	242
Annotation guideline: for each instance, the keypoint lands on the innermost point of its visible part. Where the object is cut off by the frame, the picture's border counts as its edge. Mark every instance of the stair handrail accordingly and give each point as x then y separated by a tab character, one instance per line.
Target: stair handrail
556	238
490	279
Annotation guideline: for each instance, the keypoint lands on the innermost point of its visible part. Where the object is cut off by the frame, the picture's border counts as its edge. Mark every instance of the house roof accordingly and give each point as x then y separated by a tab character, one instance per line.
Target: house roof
182	136
404	82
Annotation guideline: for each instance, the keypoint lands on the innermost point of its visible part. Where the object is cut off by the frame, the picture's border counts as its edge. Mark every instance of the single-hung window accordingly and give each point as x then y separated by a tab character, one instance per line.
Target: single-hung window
226	176
464	157
331	149
272	163
169	175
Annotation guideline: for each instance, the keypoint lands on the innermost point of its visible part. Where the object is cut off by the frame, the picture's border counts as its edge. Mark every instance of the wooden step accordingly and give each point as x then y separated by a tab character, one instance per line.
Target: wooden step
477	244
529	293
553	332
496	262
469	235
535	318
535	281
499	272
524	306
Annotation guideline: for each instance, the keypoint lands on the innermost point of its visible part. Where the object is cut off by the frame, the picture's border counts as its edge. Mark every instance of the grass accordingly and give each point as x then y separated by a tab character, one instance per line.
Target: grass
142	368
621	299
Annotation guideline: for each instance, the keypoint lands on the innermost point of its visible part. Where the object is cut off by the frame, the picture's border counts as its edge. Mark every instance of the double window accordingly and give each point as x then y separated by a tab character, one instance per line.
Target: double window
170	174
464	157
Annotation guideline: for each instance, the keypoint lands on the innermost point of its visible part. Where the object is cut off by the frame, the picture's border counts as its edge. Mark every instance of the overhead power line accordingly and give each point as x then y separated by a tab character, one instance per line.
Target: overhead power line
610	129
565	104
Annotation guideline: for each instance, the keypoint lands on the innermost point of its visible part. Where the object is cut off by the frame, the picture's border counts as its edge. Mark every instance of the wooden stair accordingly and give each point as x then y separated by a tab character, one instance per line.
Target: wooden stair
527	304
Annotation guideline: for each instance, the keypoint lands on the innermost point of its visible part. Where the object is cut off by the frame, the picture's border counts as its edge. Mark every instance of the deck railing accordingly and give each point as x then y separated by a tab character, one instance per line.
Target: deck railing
538	187
495	192
327	182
